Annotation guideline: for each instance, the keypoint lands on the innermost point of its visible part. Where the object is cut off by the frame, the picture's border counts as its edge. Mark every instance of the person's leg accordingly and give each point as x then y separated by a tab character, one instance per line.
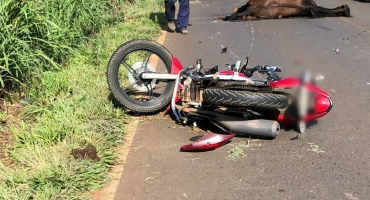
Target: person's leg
183	16
170	13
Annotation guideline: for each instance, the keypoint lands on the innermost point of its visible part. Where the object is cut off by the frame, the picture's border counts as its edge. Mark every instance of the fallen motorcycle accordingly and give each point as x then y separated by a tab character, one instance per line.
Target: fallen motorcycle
230	99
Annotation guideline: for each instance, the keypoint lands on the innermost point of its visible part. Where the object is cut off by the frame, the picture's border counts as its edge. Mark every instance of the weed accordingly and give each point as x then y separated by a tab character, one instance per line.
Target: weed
315	148
237	150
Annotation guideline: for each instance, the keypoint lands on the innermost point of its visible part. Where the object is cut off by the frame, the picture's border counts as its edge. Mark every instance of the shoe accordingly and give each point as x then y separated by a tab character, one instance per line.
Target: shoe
184	32
171	26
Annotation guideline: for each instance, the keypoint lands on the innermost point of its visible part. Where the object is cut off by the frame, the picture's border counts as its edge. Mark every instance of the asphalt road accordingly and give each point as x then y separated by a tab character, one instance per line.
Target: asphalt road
282	168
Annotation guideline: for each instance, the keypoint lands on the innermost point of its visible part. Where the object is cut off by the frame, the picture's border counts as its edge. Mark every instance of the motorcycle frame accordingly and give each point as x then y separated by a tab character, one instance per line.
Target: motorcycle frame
285	86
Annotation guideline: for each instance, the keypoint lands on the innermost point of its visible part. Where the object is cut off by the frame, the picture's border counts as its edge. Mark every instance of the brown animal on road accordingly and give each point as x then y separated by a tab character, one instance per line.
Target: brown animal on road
270	9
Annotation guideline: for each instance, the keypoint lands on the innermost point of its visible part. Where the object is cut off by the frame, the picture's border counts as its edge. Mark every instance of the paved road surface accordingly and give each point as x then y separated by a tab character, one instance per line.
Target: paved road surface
272	169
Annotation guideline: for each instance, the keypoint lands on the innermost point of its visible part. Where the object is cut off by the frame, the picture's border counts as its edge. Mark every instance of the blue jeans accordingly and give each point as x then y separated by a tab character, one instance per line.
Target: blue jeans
183	14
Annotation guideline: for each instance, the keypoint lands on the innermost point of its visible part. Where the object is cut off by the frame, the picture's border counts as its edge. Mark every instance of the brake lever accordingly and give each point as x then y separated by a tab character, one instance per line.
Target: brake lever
250	72
271	75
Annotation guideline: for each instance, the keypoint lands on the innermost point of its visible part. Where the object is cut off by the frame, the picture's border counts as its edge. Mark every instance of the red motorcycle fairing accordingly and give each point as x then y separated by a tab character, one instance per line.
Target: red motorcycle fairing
322	106
209	141
176	65
293	82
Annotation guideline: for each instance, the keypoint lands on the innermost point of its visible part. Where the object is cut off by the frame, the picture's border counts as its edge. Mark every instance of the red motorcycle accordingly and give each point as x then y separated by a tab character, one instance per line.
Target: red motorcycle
230	99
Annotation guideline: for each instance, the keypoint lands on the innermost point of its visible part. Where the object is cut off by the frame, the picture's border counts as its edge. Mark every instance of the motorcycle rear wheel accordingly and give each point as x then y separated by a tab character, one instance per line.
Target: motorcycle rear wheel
244	99
130	70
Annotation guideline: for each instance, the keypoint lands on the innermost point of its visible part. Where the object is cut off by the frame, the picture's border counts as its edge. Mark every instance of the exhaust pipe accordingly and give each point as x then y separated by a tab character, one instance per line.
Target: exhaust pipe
240	126
258	127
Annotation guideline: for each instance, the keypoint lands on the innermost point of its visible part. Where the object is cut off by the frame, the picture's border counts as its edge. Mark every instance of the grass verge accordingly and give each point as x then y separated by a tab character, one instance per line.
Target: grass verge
70	109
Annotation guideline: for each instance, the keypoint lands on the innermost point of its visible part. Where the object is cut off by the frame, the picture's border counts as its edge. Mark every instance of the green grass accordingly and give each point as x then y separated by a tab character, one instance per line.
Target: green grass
68	108
38	35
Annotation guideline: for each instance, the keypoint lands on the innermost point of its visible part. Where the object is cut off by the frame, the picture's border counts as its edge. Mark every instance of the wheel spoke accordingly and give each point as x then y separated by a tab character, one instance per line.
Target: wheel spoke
129	68
146	60
128	89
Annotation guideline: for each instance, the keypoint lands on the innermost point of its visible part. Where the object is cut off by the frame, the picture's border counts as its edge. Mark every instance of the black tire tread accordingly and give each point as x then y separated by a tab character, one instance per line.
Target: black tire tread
244	99
124	49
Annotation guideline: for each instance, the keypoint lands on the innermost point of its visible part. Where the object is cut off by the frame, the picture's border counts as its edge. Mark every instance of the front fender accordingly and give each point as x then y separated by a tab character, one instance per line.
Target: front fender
176	65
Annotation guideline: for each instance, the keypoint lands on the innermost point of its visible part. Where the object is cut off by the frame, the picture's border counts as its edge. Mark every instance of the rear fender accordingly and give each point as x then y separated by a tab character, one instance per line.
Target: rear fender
209	141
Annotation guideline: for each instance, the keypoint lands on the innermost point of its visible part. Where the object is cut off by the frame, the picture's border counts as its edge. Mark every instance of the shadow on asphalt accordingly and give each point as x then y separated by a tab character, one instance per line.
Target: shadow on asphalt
160	19
363	1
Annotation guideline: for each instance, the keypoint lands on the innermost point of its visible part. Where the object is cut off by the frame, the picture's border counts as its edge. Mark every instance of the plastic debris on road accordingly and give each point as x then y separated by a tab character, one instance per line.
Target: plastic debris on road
320	77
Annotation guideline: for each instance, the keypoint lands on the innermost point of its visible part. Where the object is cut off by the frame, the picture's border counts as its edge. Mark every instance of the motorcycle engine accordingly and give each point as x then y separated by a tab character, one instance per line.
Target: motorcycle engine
192	91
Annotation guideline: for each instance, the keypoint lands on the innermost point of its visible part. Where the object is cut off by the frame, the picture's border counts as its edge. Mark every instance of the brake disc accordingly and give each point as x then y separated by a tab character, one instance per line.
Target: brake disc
135	80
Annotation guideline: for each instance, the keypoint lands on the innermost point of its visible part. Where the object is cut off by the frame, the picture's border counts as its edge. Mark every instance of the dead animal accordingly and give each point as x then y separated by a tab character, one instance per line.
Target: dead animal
272	9
88	152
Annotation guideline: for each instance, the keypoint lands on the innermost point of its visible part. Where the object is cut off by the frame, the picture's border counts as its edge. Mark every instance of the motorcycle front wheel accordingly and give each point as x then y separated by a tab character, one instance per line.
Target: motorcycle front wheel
123	75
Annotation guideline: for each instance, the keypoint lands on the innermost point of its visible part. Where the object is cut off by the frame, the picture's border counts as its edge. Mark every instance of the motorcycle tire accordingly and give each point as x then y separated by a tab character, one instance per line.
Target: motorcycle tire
244	99
113	77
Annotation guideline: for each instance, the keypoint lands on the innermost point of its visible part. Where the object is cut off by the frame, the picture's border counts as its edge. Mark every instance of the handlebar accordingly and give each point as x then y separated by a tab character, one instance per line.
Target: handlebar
250	72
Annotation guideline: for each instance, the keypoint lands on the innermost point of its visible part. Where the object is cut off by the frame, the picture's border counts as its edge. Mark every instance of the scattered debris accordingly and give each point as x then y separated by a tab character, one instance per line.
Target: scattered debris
332	90
350	196
319	77
88	152
335	49
315	148
346	40
294	138
224	50
138	147
195	130
150	178
147	180
368	83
